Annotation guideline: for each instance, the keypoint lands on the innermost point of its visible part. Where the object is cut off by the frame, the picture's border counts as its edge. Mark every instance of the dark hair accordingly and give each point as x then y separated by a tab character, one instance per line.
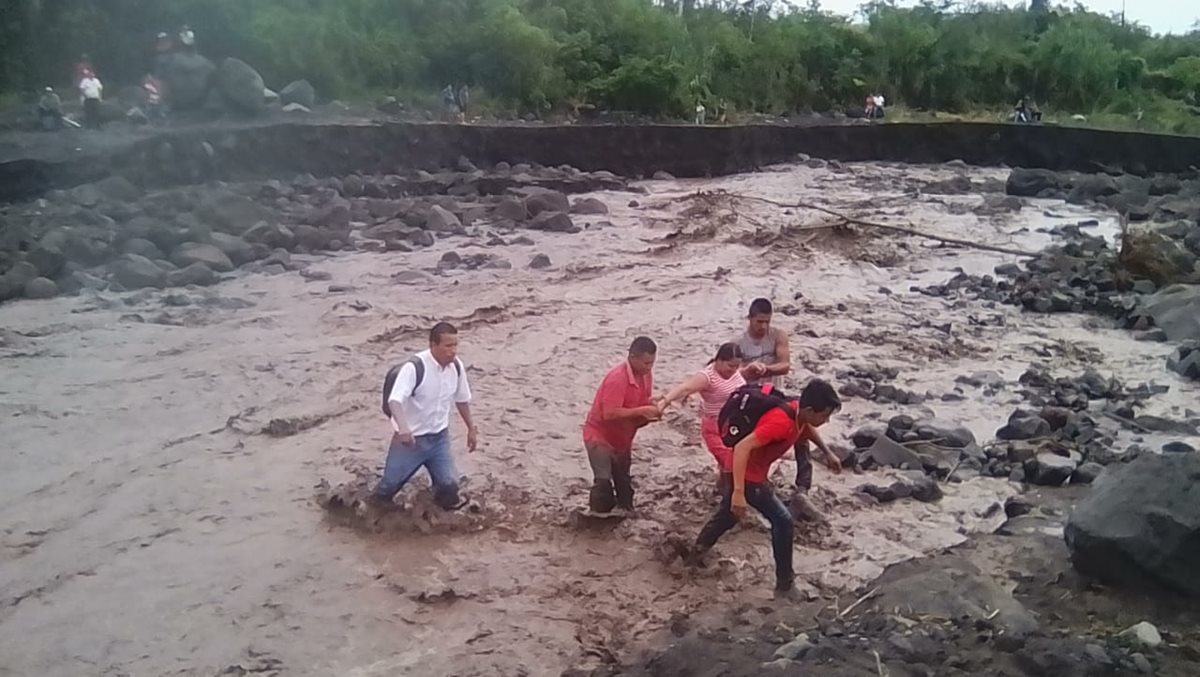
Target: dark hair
727	351
439	330
818	395
643	345
760	307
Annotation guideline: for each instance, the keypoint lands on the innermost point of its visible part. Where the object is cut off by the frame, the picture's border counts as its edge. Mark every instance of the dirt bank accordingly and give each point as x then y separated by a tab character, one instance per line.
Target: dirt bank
157	522
341	147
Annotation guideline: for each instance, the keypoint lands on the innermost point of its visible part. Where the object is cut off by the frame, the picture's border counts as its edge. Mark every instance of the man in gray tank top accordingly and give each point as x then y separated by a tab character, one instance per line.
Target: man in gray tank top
768	357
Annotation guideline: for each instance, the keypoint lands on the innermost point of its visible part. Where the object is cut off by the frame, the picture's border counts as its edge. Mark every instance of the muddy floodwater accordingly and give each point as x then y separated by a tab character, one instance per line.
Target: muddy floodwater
155	522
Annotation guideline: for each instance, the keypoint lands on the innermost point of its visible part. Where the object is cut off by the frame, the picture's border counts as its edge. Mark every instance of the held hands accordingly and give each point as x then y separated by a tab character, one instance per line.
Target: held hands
650	412
755	370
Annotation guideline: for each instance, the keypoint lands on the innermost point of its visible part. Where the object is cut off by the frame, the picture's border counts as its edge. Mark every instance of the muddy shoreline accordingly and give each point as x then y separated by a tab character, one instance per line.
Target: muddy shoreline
338	147
166	441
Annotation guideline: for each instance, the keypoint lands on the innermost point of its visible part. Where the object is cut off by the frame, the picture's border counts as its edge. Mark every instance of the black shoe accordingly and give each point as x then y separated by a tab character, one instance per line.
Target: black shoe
602	499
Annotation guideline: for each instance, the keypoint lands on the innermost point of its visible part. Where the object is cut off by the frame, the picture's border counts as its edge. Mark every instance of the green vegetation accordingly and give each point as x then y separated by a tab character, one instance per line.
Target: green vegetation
656	58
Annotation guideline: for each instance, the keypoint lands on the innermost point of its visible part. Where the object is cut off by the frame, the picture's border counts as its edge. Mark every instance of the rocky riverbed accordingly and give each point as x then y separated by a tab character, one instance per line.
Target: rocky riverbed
192	410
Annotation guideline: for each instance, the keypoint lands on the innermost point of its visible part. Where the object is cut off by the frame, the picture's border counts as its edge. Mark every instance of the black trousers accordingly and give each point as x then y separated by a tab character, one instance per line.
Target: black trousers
762	499
91	113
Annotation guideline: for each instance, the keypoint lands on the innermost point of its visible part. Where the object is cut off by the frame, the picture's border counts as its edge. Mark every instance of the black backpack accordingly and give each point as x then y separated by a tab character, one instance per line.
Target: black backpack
389	381
745	407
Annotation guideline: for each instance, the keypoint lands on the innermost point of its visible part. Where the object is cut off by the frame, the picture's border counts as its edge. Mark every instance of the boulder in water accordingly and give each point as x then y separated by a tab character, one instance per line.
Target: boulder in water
193	252
132	271
1176	310
1141	521
1032	182
241	86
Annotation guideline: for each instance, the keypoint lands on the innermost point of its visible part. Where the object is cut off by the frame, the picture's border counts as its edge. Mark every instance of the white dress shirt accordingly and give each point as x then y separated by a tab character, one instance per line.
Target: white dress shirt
428	410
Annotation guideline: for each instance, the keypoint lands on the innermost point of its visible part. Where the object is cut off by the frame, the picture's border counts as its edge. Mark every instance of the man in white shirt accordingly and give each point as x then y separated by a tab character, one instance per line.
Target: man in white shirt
91	90
419	409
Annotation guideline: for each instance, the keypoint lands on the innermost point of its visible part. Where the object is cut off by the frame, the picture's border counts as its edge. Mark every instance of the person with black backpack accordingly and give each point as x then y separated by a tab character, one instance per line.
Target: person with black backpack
416	399
761	424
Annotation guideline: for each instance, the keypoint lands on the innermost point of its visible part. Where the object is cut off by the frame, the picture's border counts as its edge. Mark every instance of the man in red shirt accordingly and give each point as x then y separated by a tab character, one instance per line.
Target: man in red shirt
623	404
774	435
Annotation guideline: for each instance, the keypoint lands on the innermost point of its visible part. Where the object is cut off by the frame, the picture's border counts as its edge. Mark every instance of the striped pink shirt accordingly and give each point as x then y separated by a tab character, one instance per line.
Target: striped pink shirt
718	390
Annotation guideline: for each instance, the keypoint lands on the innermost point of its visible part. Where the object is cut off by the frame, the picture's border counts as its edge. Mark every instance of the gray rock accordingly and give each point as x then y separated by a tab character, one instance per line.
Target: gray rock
210	255
41	288
422	238
195	274
1192	241
1185	361
311	238
233	214
238	250
542	200
1007	270
47	258
88	281
589	205
272	235
21	274
300	92
795	649
1141	520
441	220
866	435
663	176
539	262
1175	447
1142	664
1142	636
296	108
1049	469
887	452
946	433
1024	426
1087	473
240	86
1031	182
142	247
512	209
187	77
982	379
132	271
553	222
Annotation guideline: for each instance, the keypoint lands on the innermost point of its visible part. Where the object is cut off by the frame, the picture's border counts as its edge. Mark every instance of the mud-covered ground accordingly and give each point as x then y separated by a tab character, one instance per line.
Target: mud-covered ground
165	448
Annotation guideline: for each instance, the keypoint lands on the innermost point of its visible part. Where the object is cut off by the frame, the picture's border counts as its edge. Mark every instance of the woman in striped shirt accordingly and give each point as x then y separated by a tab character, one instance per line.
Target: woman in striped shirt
720	378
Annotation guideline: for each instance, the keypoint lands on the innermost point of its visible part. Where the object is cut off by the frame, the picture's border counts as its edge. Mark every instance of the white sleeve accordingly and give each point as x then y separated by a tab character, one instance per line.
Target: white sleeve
462	394
406	380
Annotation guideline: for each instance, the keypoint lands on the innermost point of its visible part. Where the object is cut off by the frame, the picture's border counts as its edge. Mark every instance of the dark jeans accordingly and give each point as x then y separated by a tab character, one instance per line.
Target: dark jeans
762	499
612	485
431	452
91	113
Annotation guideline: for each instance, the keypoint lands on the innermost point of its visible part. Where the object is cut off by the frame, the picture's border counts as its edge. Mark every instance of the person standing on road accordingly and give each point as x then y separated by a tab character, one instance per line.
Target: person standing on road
622	406
91	91
418	405
768	359
720	377
775	430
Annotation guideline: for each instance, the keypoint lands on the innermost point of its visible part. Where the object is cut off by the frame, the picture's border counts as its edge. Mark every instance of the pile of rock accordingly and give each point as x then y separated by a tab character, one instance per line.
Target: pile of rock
111	235
926	450
872	382
194	83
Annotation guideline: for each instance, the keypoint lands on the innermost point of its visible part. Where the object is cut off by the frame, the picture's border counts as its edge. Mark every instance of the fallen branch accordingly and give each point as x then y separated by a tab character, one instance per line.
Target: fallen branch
860	600
844	219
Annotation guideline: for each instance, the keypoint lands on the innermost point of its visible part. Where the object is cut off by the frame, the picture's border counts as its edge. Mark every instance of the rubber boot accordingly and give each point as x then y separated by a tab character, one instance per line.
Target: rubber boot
602	499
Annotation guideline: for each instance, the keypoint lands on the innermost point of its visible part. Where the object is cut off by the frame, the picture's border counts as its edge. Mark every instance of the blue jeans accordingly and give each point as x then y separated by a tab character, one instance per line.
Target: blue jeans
763	499
429	451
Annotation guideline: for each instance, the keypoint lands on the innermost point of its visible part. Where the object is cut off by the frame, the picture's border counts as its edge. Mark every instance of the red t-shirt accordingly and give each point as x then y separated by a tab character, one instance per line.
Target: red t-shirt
620	389
777	433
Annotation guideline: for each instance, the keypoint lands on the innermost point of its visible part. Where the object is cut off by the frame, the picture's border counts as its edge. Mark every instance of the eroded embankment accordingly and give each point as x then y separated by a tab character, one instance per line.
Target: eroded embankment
331	149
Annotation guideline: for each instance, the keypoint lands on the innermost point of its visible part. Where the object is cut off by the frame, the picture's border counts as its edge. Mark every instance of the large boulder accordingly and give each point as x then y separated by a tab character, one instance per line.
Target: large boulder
187	77
512	209
141	247
233	214
1032	182
272	235
554	222
589	205
237	249
193	252
1141	521
543	200
41	288
441	220
195	274
1185	361
1154	255
1050	469
240	86
135	272
300	92
1176	310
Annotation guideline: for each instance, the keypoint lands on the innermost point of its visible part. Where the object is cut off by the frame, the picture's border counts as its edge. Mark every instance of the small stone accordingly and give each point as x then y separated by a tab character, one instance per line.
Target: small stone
1024	426
1015	506
1049	469
589	205
450	260
1178	448
316	275
795	649
539	262
1143	635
